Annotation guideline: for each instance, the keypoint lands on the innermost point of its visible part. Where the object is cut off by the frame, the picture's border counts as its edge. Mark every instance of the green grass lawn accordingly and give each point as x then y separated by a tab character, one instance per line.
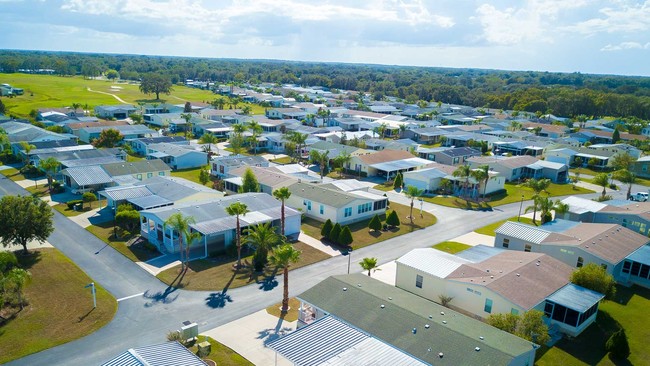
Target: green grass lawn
283	160
139	252
189	174
210	275
489	229
291	315
388	187
363	237
60	308
63	208
221	354
512	194
451	247
42	91
629	311
13	174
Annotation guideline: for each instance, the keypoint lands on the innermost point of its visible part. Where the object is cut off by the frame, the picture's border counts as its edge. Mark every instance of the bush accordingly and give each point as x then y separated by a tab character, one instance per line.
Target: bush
327	227
128	219
617	346
345	238
392	219
375	223
260	259
334	233
30	171
602	199
596	278
73	203
88	197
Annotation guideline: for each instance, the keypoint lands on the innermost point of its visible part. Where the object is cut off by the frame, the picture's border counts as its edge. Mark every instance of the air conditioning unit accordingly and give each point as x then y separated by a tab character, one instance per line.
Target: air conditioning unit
190	331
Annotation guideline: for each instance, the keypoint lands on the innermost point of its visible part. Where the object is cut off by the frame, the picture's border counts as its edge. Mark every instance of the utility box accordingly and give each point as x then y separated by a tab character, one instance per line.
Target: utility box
204	349
190	331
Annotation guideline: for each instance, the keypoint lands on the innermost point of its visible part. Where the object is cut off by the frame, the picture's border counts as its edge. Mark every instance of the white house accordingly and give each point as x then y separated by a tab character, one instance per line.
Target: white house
122	111
221	165
429	179
217	228
483	280
177	156
139	146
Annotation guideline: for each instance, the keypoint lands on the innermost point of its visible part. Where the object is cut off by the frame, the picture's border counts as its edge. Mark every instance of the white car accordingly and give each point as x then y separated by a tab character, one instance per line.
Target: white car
639	196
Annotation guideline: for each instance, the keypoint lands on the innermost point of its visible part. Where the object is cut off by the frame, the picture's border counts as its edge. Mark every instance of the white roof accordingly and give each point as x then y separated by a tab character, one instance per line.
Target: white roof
522	231
432	261
581	205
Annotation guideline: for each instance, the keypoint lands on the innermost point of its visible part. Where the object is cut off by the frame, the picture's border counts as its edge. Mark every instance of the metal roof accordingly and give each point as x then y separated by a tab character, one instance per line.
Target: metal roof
641	255
148	202
88	175
576	297
478	253
330	342
579	205
403	164
522	231
90	161
125	193
432	261
165	354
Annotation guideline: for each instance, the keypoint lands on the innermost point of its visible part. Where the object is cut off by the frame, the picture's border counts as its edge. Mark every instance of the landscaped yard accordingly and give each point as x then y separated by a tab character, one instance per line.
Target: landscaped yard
489	229
141	251
63	208
60	308
291	315
209	274
13	174
451	247
282	160
629	311
222	355
512	194
189	174
362	235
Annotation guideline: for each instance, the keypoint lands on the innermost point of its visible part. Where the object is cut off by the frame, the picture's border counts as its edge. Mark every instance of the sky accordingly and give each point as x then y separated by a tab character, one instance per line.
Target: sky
587	36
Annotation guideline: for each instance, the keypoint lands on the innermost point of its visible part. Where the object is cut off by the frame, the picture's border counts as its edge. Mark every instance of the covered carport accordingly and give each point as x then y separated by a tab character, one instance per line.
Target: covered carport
391	168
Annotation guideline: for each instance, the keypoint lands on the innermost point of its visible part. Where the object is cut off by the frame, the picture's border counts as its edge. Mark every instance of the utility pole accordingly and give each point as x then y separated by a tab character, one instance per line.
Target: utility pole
94	292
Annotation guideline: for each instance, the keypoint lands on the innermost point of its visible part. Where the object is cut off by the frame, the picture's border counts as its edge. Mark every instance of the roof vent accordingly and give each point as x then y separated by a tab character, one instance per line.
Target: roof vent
518	275
390	298
415	330
481	338
345	288
441	355
487	270
430	316
426	326
429	349
382	306
492	277
537	264
358	285
442	313
444	322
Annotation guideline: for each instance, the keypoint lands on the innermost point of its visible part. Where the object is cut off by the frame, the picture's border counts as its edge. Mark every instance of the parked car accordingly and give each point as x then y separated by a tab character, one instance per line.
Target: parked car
639	196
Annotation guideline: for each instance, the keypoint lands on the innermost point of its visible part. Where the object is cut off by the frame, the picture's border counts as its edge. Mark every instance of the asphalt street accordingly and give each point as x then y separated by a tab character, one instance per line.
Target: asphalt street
148	309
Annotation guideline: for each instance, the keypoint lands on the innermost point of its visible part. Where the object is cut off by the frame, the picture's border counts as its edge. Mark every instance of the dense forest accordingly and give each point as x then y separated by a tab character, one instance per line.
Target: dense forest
563	94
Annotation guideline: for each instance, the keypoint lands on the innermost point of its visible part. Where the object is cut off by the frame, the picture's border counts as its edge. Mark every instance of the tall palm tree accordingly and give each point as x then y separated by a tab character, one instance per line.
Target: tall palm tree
463	172
538	186
282	194
602	180
299	139
342	161
238	209
626	177
480	175
50	166
283	257
188	127
412	193
181	225
256	130
17	278
369	264
262	236
546	205
209	139
27	148
321	158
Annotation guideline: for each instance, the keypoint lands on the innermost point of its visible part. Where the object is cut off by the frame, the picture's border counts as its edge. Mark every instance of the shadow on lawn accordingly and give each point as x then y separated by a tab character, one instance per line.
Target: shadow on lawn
27	261
162	297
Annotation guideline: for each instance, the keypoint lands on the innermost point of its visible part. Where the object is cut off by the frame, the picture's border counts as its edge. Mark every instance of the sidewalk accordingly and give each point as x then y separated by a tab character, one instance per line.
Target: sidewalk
160	264
248	336
317	244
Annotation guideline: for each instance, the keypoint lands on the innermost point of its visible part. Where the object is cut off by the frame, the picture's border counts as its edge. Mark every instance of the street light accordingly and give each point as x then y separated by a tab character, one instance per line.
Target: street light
520	206
92	290
421	203
349	254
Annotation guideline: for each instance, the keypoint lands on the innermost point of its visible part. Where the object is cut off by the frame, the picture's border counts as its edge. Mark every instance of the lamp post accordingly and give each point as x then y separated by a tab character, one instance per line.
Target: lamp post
349	258
421	203
520	207
92	290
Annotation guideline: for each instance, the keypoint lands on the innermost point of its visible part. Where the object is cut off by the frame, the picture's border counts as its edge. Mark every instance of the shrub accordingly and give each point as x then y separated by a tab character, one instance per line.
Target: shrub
73	203
375	223
617	346
31	171
327	227
334	233
345	238
127	219
88	197
596	278
260	259
392	219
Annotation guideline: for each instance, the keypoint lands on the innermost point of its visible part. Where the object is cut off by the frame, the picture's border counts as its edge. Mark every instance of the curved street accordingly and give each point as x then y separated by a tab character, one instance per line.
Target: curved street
148	309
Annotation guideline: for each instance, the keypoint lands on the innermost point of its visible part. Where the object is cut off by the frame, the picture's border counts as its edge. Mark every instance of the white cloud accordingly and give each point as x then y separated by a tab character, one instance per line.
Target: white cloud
626	46
628	17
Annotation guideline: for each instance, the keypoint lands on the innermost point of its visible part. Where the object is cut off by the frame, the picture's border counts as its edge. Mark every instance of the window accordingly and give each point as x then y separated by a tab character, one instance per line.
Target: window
580	262
364	208
488	306
139	176
528	248
418	281
506	243
162	174
149	175
322	209
514	311
379	205
308	205
604	266
347	212
626	267
636	267
221	169
548	309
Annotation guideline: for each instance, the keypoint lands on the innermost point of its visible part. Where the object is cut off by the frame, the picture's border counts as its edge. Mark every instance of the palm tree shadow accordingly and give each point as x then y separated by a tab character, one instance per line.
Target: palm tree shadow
220	299
269	282
162	297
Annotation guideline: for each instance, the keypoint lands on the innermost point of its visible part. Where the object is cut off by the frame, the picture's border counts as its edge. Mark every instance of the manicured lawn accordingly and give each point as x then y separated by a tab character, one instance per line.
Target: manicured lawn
209	274
141	251
43	91
63	208
283	160
489	229
363	237
189	174
512	194
39	191
384	187
60	308
629	311
131	158
13	174
451	247
291	315
222	355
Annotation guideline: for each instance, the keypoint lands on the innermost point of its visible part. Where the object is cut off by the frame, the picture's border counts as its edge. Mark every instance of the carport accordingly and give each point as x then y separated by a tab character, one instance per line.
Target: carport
391	168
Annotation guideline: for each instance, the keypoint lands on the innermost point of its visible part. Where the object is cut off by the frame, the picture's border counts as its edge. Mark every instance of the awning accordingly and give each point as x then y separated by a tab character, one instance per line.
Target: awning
149	202
641	255
575	297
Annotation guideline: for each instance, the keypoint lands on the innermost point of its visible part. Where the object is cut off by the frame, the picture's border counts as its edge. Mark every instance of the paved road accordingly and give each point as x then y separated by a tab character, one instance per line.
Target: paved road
146	319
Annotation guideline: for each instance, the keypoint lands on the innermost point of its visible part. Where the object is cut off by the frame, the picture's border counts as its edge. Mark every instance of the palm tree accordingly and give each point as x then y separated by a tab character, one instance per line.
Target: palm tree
208	139
263	238
188	120
283	257
298	139
342	161
602	180
537	185
256	130
238	209
181	225
412	193
320	158
369	264
282	194
480	175
463	172
27	148
626	177
50	166
17	278
546	205
76	106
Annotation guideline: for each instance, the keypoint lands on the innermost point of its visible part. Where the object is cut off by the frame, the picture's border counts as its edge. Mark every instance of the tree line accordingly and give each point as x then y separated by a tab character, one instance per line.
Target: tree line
565	94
